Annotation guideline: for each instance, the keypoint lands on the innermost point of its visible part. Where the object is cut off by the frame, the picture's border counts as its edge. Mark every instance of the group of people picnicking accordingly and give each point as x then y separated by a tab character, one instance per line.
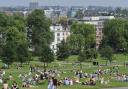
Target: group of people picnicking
54	78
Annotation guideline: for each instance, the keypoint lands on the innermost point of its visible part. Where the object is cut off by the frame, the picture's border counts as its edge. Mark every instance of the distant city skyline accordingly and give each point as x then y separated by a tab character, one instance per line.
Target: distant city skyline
113	3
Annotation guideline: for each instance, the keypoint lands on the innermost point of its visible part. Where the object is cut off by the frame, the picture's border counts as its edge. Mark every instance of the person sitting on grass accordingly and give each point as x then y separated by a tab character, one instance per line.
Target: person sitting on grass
77	80
25	84
1	81
5	85
10	77
70	82
87	82
60	82
14	85
92	81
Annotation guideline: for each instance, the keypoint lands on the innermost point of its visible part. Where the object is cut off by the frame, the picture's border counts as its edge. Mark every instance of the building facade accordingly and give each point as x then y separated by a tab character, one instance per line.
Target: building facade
60	33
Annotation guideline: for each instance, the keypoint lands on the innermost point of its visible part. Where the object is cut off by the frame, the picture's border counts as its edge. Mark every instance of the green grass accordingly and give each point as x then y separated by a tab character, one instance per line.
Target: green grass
67	67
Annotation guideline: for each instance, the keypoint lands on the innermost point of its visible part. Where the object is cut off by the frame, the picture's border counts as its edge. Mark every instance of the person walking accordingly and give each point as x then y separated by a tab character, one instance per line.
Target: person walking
50	83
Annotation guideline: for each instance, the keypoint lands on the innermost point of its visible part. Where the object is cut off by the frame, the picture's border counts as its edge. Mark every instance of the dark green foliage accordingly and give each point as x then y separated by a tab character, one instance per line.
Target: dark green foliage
47	55
41	36
107	53
14	39
82	37
63	51
87	55
38	27
116	34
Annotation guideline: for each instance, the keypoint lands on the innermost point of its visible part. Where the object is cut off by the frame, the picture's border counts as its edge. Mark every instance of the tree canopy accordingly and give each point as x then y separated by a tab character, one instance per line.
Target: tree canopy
41	36
82	36
115	34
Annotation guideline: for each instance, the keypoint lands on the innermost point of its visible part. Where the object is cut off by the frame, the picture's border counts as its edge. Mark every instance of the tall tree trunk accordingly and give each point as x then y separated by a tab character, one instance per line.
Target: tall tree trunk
80	65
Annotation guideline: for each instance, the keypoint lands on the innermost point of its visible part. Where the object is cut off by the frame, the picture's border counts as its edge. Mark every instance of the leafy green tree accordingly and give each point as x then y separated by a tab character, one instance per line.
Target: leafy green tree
23	54
115	34
87	55
107	53
22	43
3	24
63	51
63	21
41	36
47	56
9	50
14	38
82	37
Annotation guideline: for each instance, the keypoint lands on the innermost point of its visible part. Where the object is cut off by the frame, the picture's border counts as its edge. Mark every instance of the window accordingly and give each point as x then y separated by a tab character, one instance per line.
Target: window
100	33
100	29
58	34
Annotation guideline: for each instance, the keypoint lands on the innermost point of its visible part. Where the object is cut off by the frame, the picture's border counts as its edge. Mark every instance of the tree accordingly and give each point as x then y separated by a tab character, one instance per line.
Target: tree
15	40
107	53
87	55
3	25
9	54
9	50
63	51
23	54
47	56
63	21
115	34
82	37
41	36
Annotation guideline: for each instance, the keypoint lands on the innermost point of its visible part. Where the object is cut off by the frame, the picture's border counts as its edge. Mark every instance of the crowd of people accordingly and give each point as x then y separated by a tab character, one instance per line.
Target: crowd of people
35	75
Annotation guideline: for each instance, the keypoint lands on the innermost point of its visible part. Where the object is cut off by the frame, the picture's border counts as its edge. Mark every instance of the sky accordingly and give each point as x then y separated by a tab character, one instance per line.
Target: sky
114	3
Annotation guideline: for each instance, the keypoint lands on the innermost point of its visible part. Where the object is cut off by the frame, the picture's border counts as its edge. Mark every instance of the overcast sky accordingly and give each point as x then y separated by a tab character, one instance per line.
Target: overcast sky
122	3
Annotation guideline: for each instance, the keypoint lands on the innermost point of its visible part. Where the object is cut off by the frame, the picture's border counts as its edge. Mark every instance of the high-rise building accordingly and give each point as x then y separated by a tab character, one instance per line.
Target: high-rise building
33	5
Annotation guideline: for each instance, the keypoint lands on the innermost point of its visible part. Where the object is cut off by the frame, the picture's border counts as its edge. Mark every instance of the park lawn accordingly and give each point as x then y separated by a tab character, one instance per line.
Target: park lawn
67	67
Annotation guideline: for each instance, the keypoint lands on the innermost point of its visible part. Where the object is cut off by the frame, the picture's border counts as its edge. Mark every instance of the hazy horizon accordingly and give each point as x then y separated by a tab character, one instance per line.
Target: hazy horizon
113	3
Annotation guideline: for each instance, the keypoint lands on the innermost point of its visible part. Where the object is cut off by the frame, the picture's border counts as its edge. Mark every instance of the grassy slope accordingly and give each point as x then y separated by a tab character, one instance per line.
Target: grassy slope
63	66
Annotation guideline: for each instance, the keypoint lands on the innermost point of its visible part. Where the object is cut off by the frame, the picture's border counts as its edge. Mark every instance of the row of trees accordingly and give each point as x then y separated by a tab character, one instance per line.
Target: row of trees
18	34
13	43
116	35
82	41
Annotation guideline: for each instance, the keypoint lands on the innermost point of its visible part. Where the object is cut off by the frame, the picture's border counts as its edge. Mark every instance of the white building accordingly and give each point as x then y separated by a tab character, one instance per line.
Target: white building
51	12
60	33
